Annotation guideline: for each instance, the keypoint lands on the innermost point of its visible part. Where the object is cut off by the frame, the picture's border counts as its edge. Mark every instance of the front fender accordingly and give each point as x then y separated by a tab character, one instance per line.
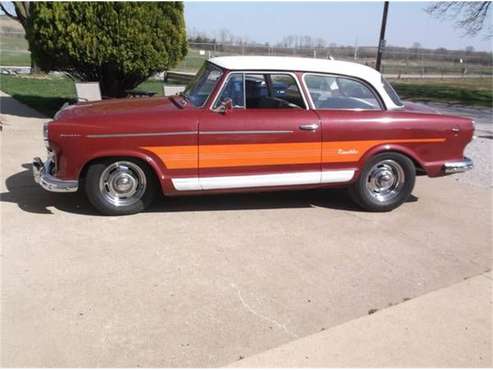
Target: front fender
152	160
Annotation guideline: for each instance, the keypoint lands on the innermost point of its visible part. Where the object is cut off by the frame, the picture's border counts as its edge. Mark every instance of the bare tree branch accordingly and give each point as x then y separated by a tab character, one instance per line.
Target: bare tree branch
472	17
10	15
22	8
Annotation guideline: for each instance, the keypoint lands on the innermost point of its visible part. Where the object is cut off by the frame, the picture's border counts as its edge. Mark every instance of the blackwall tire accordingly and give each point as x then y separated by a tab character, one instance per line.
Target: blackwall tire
120	186
387	181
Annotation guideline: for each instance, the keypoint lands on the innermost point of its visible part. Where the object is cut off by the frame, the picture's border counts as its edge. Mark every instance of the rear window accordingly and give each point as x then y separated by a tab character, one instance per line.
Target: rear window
391	92
334	92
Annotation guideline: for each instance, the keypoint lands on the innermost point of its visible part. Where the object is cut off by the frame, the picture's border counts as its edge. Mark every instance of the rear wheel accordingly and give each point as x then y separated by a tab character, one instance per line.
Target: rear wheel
120	186
386	182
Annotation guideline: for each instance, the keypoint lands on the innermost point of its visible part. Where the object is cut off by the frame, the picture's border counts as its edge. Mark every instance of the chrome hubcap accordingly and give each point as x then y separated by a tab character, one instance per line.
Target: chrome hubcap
122	183
385	180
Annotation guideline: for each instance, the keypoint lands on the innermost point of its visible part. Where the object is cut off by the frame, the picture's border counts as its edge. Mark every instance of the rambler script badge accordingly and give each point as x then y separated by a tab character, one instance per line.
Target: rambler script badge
347	152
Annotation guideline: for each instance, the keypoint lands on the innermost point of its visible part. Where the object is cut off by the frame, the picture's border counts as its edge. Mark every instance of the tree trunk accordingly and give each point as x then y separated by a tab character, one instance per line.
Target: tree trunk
22	13
34	67
111	85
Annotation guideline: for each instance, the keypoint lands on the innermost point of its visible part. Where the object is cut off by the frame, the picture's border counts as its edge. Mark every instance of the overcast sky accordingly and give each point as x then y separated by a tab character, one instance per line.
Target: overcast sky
338	22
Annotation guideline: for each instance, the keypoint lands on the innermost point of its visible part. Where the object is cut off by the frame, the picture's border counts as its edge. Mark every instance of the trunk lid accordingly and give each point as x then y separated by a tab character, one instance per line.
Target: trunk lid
417	108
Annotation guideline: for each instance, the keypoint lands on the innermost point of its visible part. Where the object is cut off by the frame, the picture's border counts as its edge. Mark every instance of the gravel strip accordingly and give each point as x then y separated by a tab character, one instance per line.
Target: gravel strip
479	150
482	116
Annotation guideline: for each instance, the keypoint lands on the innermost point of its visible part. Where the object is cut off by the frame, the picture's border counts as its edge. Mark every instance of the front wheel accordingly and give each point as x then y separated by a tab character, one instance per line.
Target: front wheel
386	182
120	186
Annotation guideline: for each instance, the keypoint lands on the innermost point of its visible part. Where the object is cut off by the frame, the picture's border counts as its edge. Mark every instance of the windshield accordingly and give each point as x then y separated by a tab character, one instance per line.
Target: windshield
199	89
391	92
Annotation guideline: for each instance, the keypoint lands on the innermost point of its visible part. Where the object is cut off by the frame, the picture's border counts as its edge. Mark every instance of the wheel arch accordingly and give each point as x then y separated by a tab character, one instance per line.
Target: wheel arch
143	157
393	148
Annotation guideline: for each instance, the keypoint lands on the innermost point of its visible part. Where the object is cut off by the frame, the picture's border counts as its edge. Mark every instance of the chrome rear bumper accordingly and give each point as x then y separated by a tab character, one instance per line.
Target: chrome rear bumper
458	166
49	182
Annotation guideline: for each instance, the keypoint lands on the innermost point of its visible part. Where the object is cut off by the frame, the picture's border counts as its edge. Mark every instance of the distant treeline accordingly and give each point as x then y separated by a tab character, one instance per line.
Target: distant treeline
413	54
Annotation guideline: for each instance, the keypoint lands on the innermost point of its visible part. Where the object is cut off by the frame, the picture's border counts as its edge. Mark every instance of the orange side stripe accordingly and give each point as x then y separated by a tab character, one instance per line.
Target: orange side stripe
237	155
352	151
259	154
176	157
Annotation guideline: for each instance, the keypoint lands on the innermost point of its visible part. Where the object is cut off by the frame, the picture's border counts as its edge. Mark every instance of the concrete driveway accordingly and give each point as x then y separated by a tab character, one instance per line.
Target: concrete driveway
205	281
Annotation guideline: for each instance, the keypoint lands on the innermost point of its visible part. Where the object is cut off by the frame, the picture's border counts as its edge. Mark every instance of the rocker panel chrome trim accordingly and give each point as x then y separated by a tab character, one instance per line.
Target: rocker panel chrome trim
253	181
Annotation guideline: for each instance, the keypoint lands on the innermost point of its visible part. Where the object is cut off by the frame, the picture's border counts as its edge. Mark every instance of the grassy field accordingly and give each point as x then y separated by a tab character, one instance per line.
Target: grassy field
47	94
10	41
477	91
14	58
13	50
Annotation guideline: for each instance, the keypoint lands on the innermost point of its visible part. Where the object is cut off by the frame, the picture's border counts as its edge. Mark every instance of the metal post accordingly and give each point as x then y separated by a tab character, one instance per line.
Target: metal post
381	43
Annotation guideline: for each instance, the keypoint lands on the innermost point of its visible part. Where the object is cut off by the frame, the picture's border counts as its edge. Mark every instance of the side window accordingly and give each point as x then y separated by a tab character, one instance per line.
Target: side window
234	90
262	91
256	91
331	92
285	87
272	91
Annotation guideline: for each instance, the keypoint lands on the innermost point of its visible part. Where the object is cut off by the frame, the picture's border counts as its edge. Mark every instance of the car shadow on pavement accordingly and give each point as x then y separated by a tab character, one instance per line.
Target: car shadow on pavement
30	197
11	106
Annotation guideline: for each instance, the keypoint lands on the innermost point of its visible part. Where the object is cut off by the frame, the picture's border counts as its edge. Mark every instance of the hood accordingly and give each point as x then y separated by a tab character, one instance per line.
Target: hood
417	108
116	107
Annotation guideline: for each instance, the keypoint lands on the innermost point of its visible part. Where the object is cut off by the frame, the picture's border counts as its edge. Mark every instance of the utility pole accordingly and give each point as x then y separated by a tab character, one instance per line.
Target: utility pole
381	43
356	49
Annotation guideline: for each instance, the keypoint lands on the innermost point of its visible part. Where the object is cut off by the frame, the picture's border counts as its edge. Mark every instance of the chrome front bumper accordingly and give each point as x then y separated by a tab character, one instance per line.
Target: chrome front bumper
49	182
458	166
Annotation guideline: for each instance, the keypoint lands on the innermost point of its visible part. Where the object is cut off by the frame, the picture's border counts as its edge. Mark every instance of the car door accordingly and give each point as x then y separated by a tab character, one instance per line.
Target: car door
353	120
268	138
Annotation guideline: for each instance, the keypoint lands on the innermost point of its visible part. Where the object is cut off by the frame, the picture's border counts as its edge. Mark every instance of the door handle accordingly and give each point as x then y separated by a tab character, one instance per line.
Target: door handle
309	127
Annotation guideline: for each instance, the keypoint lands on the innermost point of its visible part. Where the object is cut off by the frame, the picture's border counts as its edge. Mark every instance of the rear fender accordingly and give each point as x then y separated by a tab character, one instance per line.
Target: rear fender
391	148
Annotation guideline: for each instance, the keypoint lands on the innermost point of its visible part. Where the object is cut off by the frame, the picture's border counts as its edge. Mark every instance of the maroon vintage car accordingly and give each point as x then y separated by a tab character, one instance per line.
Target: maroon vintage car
254	123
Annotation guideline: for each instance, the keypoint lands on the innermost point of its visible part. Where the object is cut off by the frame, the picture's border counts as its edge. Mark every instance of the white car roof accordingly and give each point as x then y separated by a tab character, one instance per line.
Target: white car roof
270	63
294	64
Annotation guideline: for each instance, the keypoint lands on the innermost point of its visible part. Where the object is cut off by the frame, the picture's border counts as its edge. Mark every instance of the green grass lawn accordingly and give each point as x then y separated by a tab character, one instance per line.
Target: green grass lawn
47	94
454	91
153	86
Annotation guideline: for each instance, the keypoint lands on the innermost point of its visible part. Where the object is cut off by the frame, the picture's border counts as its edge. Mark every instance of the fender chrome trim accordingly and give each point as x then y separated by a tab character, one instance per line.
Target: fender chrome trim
246	132
139	134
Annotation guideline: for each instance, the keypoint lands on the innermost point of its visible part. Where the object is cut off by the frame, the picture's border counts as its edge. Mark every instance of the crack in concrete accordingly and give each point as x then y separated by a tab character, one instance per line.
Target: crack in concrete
263	317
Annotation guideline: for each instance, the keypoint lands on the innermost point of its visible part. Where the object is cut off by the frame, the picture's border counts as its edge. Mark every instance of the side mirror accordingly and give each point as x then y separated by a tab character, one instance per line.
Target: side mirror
226	105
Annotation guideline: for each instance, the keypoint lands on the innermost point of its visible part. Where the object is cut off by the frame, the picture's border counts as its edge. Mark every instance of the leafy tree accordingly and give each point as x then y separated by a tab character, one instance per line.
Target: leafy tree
470	16
119	44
